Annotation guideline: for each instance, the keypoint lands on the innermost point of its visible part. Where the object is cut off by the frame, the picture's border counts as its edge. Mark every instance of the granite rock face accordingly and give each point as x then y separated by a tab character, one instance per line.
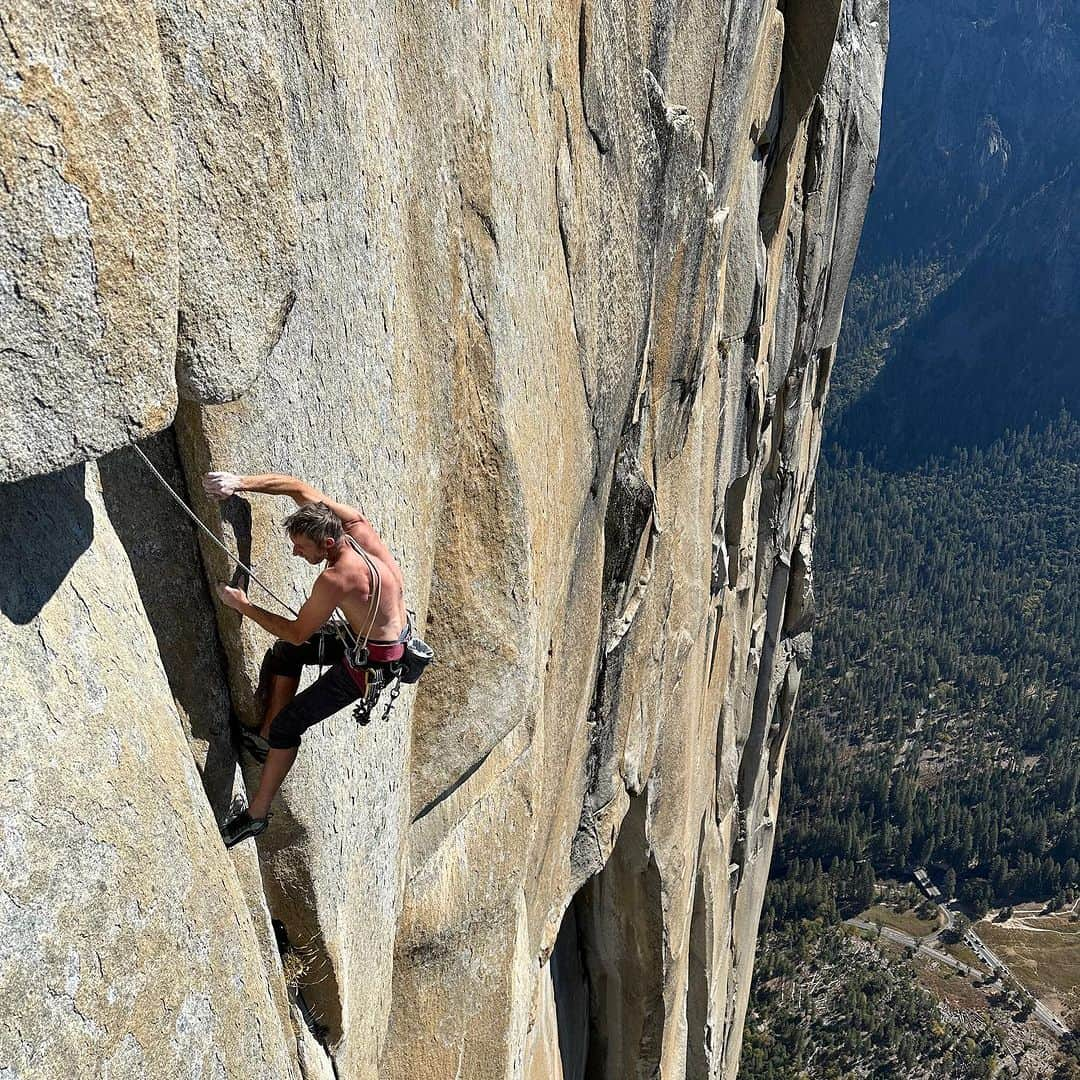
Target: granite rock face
551	292
88	249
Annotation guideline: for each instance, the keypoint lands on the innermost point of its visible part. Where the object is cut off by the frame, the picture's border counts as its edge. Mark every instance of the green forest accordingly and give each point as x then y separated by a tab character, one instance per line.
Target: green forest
939	724
938	727
836	1005
878	305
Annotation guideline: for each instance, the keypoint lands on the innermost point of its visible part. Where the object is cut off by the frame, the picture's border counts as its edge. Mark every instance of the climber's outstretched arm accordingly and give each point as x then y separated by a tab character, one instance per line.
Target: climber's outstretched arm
222	485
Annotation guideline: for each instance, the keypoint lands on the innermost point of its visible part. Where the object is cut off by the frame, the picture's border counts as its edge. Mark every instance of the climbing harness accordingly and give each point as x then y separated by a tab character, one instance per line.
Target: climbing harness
416	657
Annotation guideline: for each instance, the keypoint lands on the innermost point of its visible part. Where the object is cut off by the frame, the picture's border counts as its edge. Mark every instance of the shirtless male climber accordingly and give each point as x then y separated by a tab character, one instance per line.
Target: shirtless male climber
362	580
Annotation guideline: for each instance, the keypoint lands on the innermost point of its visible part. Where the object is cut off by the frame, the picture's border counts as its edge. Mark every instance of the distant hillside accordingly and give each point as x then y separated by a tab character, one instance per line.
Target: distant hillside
979	115
969	254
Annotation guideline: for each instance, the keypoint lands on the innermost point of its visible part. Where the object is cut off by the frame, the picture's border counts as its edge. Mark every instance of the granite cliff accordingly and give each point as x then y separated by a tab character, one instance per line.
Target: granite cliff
553	292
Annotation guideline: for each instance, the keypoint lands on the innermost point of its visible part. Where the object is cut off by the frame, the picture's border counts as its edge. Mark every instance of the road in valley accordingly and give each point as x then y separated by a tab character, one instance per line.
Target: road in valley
991	958
899	938
1048	1019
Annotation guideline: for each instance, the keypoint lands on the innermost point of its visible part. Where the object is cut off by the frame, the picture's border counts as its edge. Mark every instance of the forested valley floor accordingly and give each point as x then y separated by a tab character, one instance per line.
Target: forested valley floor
938	728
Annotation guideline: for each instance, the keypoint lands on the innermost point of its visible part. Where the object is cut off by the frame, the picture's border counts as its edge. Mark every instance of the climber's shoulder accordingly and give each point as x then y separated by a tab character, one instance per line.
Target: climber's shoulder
349	575
363	532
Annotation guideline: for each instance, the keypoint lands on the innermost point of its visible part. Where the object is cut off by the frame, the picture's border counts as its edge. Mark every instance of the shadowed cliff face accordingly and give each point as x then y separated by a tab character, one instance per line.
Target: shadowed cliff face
978	195
553	294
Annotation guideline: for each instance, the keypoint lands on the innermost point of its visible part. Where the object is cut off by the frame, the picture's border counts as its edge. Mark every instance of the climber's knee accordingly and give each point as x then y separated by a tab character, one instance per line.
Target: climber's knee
286	729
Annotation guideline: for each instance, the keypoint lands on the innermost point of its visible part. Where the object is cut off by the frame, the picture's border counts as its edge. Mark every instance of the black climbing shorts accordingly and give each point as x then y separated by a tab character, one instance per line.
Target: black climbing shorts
331	692
324	648
324	697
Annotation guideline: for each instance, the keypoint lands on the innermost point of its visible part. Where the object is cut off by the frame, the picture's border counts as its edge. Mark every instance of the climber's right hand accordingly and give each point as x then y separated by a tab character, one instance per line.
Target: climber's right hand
222	485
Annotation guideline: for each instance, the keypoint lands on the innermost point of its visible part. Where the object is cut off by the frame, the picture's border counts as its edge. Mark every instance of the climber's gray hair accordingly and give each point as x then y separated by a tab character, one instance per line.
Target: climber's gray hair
315	521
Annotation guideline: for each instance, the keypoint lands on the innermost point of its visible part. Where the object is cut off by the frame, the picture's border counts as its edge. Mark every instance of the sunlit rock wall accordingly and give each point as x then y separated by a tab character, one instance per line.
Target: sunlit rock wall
552	292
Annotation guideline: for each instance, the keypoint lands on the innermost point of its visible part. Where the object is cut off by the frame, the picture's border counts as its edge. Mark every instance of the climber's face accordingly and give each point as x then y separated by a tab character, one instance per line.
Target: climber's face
310	551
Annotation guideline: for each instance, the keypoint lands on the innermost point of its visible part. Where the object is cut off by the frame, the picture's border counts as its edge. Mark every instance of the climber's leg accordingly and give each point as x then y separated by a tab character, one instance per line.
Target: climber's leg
280	678
323	698
282	691
278	763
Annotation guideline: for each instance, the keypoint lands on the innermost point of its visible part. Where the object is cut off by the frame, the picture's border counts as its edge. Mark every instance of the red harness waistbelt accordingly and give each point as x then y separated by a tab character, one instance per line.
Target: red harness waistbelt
378	653
385	654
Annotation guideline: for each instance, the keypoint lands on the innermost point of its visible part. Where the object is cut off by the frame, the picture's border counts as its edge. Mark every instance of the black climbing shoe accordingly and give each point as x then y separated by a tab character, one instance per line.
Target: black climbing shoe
242	825
255	745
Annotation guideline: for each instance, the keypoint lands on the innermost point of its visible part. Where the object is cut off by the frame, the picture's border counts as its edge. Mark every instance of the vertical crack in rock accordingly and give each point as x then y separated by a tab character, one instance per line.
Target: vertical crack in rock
564	200
629	533
564	240
173	589
285	865
684	278
584	88
706	133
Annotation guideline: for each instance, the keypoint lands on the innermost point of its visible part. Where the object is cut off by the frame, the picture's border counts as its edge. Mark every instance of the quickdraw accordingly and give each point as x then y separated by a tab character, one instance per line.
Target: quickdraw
377	683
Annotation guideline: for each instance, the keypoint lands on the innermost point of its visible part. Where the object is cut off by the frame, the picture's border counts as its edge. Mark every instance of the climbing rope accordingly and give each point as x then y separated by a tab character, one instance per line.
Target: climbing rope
341	624
376	599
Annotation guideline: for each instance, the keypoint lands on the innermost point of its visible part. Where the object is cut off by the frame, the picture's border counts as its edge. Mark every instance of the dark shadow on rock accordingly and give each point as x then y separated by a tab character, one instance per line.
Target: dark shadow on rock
621	935
161	546
291	895
699	1034
570	985
48	524
237	513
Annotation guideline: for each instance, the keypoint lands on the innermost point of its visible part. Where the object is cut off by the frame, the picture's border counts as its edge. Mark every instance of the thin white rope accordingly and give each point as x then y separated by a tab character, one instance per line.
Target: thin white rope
374	571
